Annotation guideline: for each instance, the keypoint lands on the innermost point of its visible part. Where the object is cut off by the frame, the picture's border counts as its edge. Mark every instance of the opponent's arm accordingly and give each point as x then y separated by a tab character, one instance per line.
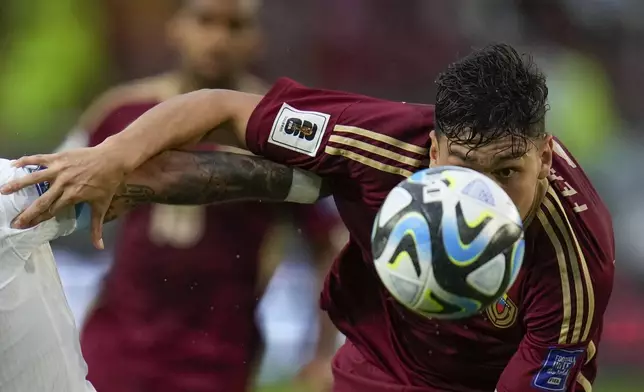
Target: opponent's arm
180	177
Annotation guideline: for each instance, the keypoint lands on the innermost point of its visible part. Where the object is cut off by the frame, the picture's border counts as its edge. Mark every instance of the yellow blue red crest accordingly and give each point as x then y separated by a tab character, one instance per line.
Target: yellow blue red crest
503	313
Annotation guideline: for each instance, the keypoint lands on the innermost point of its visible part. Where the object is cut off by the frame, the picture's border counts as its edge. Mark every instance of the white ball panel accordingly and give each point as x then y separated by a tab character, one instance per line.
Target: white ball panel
488	278
479	189
397	200
404	290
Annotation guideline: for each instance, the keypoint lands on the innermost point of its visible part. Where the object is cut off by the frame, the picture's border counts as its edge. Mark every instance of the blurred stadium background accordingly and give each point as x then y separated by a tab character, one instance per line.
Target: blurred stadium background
55	56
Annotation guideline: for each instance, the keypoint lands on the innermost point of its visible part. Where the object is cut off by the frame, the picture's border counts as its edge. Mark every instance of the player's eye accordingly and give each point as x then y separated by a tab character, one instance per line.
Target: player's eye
505	173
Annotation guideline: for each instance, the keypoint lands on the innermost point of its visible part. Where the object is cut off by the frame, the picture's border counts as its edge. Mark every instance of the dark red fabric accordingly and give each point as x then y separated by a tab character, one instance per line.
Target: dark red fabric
471	355
180	318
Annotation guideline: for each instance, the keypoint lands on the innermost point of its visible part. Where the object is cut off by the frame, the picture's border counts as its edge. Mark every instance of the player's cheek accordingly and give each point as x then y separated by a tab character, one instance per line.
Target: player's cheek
522	194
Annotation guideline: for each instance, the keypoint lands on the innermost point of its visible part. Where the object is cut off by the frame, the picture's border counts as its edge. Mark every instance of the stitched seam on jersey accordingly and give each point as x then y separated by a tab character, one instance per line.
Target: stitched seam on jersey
573	262
270	97
8	238
563	274
15	251
584	267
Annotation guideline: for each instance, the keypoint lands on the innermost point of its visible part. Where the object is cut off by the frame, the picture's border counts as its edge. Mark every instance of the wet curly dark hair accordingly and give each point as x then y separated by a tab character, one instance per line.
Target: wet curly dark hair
490	94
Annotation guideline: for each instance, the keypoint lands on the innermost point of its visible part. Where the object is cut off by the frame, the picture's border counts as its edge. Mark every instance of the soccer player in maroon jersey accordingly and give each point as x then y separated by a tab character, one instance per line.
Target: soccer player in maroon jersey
191	273
543	335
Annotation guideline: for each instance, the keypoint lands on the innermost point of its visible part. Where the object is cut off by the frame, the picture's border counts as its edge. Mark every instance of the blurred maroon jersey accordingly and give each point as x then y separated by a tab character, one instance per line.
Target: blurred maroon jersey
542	335
177	309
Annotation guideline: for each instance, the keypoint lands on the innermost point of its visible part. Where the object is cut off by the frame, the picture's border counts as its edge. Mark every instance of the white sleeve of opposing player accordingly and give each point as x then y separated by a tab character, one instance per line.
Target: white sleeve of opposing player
25	241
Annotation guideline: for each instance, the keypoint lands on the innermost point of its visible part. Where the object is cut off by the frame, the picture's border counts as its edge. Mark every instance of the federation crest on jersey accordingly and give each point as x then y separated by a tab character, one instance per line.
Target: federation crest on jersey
503	313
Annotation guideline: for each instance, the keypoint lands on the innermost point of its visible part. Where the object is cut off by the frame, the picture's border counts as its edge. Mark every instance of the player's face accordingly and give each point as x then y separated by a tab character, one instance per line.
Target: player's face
215	38
518	176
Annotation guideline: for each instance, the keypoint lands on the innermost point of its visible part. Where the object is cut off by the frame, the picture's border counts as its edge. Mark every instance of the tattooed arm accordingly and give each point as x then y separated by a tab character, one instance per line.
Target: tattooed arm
179	177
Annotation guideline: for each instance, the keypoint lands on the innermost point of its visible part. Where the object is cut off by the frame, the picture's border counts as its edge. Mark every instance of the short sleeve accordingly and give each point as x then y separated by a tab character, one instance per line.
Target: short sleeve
565	296
331	132
292	124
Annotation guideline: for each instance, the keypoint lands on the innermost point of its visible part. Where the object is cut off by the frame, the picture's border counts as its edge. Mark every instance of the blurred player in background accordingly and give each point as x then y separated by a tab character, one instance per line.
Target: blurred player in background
543	335
177	310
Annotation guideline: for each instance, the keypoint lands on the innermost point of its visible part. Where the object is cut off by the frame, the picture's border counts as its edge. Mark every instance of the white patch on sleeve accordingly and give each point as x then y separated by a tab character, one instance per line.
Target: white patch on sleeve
299	130
305	187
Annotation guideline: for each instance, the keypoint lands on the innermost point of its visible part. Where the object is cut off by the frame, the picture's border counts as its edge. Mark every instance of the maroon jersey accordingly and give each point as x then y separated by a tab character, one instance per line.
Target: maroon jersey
542	335
177	309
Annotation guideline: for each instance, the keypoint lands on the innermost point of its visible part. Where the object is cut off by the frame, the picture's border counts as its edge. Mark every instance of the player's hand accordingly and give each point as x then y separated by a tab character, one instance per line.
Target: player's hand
89	175
316	376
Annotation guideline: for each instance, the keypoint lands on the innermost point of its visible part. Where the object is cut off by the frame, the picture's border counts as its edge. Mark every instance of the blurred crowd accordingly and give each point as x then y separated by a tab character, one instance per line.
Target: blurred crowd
56	57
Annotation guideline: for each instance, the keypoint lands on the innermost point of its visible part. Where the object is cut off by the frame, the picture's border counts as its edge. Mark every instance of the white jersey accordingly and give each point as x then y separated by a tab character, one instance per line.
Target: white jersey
39	344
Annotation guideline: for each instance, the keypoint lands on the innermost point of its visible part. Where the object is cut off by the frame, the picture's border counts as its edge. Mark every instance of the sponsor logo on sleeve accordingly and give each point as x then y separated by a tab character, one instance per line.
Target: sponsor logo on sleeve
299	130
555	370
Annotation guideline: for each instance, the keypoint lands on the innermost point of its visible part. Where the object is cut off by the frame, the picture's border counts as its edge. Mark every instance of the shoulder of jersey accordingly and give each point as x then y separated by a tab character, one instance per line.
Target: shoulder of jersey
148	90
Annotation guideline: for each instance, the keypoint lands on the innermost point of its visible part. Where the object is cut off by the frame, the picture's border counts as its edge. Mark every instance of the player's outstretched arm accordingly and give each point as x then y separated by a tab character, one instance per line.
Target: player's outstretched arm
93	174
181	177
219	116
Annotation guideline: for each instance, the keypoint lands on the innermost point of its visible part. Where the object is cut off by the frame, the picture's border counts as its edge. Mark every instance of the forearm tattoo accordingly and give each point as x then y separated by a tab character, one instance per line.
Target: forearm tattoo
191	178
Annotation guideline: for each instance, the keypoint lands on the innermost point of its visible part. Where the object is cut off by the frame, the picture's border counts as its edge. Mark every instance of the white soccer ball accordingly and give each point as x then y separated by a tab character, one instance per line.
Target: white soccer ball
448	242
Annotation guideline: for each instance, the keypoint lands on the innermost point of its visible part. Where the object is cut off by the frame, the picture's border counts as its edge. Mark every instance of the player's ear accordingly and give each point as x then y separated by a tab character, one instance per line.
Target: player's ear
433	149
546	148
